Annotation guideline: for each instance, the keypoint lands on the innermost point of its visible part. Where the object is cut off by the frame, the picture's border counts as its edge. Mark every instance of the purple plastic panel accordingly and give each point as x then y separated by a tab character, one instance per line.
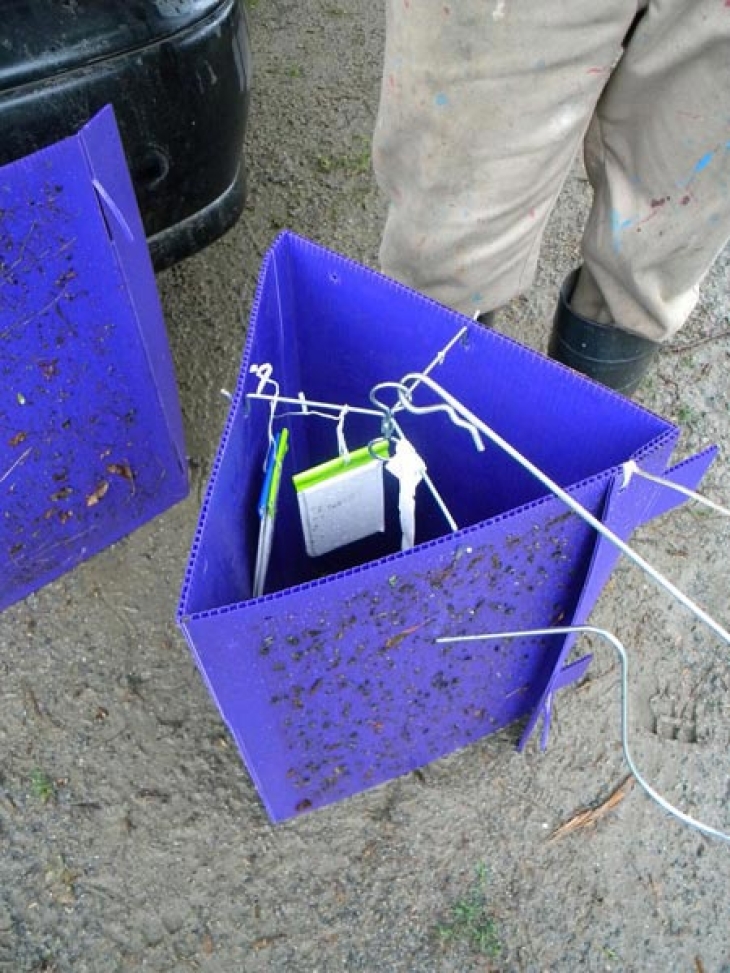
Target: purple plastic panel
333	682
91	442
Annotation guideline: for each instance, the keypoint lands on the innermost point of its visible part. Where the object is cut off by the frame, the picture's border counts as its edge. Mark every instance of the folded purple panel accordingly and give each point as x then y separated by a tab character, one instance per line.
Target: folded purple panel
332	681
91	442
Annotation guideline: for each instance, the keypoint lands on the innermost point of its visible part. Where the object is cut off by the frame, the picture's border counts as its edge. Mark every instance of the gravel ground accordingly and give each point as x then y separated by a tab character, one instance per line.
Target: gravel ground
132	837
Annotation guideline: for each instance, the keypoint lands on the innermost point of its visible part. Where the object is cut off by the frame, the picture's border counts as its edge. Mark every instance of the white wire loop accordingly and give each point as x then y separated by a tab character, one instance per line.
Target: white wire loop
655	796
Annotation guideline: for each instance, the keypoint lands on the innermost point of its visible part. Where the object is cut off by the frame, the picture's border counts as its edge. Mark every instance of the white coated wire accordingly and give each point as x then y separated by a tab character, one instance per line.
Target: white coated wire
691	822
306	406
451	404
431	487
438	359
632	468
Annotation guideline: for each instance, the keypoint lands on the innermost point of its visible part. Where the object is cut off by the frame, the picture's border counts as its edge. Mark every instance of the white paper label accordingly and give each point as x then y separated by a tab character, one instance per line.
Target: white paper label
343	509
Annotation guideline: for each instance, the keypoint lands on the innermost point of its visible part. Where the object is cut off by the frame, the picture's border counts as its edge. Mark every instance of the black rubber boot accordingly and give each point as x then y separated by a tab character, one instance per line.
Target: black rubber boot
603	352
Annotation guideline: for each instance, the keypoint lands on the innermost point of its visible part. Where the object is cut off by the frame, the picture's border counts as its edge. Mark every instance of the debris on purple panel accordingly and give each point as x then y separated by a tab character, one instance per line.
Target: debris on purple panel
90	433
333	681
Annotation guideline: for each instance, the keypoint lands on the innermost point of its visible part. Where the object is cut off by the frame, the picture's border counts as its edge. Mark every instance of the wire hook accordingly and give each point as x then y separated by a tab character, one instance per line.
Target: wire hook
388	424
405	388
263	373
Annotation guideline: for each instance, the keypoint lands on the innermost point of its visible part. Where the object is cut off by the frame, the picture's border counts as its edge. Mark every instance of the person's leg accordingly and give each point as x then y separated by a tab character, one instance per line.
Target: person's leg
658	157
484	105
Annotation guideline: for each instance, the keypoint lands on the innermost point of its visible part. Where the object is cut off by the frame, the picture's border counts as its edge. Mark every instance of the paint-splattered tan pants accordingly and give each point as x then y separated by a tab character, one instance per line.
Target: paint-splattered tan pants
486	102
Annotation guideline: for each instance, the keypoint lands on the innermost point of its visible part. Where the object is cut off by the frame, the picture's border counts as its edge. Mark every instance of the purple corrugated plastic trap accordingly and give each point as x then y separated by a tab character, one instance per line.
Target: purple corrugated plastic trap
91	441
332	682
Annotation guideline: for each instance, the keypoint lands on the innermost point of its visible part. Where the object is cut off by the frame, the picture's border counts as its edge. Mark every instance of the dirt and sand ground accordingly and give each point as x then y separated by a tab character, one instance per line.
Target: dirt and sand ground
131	837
